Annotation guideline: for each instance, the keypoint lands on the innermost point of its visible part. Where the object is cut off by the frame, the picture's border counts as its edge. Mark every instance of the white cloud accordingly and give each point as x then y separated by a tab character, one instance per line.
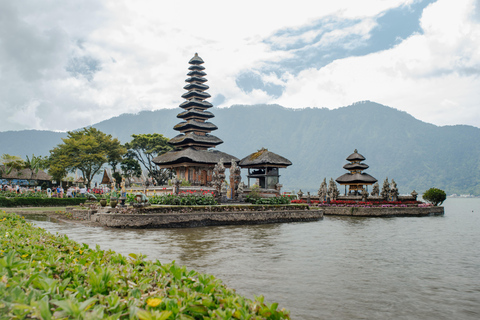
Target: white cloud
64	65
433	76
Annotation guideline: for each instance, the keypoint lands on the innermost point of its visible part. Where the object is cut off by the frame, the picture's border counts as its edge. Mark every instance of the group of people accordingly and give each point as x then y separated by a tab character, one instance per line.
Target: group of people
73	192
56	192
19	189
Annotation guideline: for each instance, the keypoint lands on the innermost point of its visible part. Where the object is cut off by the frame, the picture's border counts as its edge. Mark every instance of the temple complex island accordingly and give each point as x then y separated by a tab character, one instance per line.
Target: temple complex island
355	179
263	167
193	159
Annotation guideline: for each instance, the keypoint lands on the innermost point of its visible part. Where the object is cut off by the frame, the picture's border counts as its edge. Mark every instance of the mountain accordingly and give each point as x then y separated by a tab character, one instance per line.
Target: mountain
416	154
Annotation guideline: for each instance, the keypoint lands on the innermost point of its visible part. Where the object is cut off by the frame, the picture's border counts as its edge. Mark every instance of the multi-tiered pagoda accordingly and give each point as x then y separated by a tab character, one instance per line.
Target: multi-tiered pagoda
192	158
355	178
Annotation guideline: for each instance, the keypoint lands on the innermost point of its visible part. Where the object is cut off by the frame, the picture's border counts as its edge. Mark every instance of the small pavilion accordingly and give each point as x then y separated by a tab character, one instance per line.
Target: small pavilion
355	179
107	177
192	159
263	166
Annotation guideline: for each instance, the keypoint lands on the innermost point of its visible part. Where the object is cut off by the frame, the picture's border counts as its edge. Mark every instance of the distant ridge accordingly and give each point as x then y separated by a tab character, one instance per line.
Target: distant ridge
416	154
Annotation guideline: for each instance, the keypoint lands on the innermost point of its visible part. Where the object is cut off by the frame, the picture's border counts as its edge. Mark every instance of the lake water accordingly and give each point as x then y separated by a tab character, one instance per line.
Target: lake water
337	268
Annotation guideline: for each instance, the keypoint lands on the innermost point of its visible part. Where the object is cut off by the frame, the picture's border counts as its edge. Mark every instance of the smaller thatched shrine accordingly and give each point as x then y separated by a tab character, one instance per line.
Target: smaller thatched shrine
263	166
355	179
107	178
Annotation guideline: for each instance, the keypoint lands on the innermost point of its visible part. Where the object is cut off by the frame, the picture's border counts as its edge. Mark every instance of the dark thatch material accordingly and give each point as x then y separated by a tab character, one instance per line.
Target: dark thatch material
196	94
184	139
196	73
355	156
107	177
198	114
196	59
195	103
356	178
192	124
356	166
262	158
196	86
79	180
196	79
191	155
26	174
196	67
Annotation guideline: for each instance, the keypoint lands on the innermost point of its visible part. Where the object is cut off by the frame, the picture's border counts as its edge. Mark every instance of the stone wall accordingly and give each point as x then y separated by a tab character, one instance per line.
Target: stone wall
81	214
201	219
384	211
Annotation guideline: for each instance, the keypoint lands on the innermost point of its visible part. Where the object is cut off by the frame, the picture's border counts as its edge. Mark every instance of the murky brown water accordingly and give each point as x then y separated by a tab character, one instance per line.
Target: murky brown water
338	268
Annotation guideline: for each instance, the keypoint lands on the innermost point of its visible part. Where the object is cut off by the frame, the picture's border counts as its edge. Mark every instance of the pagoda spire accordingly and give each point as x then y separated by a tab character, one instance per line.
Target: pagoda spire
195	130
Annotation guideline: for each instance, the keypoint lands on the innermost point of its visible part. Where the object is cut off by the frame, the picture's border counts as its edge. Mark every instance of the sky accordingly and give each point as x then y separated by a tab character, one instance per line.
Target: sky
68	64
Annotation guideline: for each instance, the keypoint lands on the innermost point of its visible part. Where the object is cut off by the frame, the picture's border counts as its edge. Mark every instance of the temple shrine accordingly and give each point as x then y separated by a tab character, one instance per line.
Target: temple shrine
192	159
355	179
263	167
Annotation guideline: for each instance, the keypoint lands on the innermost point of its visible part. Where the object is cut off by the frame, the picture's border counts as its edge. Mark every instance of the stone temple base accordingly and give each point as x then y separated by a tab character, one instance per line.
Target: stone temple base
384	211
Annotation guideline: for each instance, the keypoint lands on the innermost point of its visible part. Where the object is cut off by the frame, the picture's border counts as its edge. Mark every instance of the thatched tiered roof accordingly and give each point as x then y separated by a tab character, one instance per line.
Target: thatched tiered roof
194	156
264	158
194	140
355	176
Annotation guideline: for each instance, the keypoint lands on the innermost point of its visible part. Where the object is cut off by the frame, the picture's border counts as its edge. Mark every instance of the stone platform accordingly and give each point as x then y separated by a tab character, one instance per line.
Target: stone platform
192	216
384	211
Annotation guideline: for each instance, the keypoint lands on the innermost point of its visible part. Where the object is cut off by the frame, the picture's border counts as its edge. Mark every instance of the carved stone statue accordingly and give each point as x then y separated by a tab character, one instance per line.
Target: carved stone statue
333	190
385	189
176	185
218	177
240	190
141	200
235	178
393	191
122	185
113	192
375	190
309	200
223	189
300	194
414	195
322	191
278	187
364	195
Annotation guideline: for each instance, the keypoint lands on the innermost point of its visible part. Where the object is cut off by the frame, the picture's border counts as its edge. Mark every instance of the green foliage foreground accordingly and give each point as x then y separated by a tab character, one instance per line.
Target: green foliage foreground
47	276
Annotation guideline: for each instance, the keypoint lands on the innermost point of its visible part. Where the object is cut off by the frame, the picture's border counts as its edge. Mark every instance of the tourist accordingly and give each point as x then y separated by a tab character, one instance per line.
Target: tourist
83	192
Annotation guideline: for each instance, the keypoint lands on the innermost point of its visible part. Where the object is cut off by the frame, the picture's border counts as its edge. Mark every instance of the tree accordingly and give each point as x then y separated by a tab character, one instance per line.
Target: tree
34	164
9	163
434	196
86	150
130	168
144	148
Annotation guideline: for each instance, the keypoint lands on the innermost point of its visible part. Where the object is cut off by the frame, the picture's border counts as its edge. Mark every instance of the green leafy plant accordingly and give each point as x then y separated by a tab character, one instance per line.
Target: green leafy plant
45	276
434	196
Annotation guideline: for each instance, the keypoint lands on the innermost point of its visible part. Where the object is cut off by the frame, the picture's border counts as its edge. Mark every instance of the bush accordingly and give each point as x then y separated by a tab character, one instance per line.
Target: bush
273	200
45	276
40	202
13	194
183	200
434	196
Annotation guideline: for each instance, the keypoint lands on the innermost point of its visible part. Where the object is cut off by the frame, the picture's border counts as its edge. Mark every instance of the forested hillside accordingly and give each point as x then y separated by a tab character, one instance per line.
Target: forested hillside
417	155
